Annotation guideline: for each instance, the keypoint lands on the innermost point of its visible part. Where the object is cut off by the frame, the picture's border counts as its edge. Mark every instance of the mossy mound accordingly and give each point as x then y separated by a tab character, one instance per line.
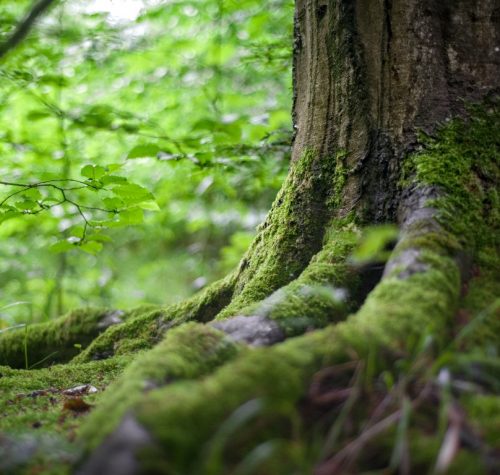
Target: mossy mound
57	341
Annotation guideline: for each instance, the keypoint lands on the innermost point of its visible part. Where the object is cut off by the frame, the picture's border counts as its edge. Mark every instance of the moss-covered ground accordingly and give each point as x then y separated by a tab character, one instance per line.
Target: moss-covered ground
39	421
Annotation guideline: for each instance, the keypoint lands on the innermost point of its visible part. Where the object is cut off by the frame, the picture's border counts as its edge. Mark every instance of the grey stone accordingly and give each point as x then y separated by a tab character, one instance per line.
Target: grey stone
253	330
111	318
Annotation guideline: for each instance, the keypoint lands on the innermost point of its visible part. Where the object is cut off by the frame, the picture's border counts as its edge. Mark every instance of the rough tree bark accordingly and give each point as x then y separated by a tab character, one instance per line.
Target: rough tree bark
371	78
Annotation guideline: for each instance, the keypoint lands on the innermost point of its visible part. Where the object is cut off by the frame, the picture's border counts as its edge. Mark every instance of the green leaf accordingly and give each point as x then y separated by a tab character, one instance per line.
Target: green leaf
33	194
93	171
61	246
91	247
375	244
206	123
149	205
130	127
144	151
11	213
103	223
233	130
39	114
131	216
99	115
76	231
204	158
113	203
112	167
132	193
112	179
55	79
26	205
99	238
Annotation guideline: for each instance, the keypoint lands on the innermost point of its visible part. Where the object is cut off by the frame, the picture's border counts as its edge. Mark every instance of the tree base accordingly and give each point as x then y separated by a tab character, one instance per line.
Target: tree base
407	382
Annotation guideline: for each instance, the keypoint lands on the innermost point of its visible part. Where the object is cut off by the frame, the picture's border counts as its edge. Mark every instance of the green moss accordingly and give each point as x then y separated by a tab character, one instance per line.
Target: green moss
19	409
184	417
33	413
187	352
319	295
146	326
42	344
431	240
400	311
291	234
339	178
203	400
139	332
480	307
463	163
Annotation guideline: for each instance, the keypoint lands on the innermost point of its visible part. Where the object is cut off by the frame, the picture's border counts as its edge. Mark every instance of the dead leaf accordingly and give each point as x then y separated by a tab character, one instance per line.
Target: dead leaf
76	404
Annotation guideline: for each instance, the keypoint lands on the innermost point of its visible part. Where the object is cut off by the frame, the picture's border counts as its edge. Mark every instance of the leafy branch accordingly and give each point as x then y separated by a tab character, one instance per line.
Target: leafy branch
127	200
64	198
24	27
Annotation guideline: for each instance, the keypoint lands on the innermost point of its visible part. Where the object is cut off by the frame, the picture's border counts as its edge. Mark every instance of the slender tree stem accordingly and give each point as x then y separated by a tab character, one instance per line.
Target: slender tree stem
23	28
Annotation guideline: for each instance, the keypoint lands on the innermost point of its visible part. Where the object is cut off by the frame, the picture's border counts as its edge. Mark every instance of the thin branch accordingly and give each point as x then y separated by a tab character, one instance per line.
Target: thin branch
94	208
65	199
48	183
85	220
23	28
70	180
10	196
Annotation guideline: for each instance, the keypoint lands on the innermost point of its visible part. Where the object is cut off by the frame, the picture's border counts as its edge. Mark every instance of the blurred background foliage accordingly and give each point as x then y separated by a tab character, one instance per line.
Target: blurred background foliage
141	142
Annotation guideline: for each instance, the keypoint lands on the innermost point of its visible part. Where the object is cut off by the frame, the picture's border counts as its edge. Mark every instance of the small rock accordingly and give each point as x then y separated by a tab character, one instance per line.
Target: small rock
16	452
199	283
80	390
111	318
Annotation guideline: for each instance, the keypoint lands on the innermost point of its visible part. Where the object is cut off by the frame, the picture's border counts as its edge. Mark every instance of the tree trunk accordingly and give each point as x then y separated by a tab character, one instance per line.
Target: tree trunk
370	74
372	78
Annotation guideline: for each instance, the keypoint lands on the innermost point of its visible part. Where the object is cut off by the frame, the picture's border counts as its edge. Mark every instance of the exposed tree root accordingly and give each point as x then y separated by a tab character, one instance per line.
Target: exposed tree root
44	344
417	298
148	327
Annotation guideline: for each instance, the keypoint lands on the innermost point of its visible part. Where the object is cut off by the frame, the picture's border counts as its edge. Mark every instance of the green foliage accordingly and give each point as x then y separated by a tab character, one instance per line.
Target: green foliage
169	119
375	244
